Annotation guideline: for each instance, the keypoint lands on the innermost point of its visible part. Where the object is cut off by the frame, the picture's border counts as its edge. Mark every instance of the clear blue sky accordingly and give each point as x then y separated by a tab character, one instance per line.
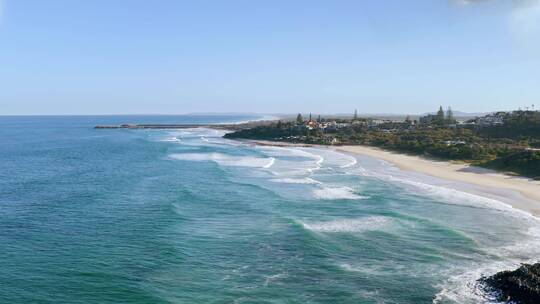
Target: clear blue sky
379	56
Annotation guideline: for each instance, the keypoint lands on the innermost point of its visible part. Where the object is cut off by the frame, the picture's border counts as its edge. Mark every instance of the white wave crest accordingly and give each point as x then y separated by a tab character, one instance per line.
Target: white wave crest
225	160
448	194
462	285
333	158
287	151
171	139
352	163
288	180
333	193
198	133
270	163
349	225
298	152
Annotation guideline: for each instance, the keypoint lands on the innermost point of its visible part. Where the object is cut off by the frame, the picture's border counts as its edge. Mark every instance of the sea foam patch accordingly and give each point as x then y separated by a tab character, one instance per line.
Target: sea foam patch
335	193
430	187
226	160
305	181
332	158
171	139
349	225
462	286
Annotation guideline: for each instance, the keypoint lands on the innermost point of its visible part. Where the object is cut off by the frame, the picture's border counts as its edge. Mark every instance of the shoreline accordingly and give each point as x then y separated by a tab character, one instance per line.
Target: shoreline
491	183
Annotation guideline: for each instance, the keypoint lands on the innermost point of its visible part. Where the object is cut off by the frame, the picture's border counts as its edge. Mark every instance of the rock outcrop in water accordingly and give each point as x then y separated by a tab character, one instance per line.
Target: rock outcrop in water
519	286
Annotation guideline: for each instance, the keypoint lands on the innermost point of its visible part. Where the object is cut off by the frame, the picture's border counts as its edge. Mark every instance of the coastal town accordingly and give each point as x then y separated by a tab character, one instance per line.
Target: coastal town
507	141
440	119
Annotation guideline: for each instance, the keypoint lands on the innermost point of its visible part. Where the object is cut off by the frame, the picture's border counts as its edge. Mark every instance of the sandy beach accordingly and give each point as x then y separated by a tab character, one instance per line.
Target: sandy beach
492	182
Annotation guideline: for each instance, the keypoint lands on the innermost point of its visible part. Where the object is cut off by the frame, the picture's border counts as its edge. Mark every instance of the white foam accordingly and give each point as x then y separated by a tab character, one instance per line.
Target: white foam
270	163
318	164
317	158
225	160
288	180
305	163
332	158
275	277
281	151
464	287
446	193
462	284
289	151
198	133
334	193
320	161
349	225
389	268
171	139
352	163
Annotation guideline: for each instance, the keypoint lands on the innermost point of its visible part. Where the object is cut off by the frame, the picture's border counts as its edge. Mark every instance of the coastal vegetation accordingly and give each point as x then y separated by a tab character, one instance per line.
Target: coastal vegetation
507	141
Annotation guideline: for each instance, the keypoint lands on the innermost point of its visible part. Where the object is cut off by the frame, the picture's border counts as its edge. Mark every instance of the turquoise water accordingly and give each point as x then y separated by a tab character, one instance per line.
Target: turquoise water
184	216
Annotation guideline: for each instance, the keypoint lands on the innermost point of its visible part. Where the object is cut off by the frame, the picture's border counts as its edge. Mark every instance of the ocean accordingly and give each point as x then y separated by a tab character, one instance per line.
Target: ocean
185	216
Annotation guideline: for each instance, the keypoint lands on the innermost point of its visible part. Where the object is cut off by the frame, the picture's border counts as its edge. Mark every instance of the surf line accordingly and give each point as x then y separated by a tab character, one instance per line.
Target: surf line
270	163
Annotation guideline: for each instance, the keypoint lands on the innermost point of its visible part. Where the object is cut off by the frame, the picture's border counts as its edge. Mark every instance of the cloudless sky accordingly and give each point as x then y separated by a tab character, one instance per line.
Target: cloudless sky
271	56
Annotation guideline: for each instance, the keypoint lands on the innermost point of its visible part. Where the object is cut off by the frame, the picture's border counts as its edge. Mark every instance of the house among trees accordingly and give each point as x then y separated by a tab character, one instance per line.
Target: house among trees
495	119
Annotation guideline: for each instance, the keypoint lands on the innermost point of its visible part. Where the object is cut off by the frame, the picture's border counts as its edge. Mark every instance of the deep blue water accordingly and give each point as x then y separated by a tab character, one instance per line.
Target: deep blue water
184	216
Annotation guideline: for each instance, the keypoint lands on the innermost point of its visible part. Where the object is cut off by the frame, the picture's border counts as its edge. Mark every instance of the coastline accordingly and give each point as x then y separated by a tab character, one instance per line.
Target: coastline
492	183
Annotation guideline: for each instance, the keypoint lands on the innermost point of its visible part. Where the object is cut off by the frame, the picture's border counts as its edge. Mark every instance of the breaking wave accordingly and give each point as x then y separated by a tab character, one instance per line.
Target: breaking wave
226	160
349	225
352	163
329	175
305	181
462	284
171	139
335	193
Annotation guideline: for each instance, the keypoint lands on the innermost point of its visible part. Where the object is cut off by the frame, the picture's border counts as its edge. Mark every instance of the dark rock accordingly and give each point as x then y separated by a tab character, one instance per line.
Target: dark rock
519	286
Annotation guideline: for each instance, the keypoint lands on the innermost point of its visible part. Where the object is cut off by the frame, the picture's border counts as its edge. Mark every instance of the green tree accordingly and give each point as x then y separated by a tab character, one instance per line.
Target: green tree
440	116
450	116
355	117
299	119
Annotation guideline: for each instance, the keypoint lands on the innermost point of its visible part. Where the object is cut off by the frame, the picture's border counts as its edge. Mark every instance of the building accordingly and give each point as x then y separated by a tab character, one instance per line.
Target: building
495	119
375	122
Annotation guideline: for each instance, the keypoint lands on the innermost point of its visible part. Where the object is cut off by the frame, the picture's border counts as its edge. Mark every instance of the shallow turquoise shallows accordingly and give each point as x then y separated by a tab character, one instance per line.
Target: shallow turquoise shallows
185	216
